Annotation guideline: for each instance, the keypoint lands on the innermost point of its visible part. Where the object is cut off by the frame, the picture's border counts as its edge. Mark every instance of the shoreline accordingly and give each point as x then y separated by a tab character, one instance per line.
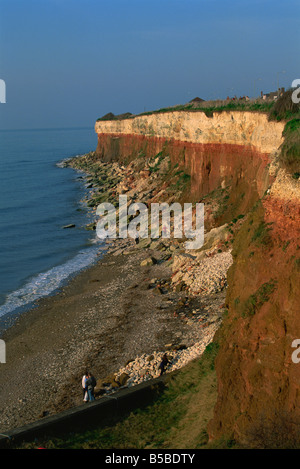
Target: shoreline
105	319
10	319
46	279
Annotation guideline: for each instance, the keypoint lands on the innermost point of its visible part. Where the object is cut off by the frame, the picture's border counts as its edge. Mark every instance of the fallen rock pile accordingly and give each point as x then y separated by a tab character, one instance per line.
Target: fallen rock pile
204	274
146	367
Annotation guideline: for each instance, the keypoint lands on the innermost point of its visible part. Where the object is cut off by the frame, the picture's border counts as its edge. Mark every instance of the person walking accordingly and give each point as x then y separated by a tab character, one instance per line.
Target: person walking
91	384
163	364
84	386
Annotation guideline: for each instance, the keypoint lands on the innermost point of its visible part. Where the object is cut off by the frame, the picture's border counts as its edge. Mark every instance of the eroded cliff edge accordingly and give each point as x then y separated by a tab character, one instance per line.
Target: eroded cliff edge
237	153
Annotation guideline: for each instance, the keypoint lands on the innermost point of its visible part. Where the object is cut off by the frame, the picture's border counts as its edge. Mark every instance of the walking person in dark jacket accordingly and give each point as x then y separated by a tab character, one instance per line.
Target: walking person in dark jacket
163	364
90	384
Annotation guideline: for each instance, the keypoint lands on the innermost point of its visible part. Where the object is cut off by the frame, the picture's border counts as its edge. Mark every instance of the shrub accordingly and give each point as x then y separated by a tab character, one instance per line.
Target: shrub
261	296
284	108
290	149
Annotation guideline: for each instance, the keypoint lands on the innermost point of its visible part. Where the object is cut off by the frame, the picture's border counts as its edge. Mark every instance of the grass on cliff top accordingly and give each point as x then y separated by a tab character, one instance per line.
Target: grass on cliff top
178	418
290	150
285	109
208	107
282	109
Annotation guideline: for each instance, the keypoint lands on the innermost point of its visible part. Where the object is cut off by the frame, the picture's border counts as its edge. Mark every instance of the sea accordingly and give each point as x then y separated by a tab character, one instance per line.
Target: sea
38	198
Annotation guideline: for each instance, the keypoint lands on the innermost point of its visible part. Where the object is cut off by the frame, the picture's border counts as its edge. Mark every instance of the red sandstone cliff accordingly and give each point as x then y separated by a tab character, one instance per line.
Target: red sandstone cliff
256	376
258	383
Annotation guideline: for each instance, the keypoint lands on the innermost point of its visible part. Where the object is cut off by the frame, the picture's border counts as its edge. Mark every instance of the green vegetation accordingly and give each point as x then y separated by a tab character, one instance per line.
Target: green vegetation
100	178
284	108
176	181
290	149
209	107
261	296
110	116
183	179
297	264
160	156
177	419
285	246
261	234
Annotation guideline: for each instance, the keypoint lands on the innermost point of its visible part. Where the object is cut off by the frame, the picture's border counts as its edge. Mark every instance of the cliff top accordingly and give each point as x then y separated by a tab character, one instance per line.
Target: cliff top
281	109
199	105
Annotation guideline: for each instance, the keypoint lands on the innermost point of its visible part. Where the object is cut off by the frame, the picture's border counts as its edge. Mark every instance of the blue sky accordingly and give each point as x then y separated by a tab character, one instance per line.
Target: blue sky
68	62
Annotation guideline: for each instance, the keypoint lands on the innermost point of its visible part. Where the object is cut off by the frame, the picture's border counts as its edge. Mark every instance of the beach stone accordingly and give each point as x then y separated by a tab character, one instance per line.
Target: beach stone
143	244
180	347
118	252
181	259
180	287
108	380
215	236
91	203
123	379
157	245
115	384
148	262
91	226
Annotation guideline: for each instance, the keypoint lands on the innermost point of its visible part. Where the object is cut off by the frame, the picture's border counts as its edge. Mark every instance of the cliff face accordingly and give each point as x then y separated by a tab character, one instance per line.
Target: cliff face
258	383
230	149
235	128
235	150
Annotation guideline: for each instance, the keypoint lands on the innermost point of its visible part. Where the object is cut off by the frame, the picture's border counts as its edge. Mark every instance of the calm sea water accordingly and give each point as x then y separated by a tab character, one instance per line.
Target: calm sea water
37	198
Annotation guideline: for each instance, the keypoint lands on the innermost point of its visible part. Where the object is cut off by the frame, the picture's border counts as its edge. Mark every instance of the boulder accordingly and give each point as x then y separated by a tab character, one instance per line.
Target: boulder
115	384
180	287
143	244
109	380
123	379
180	260
91	226
148	262
215	236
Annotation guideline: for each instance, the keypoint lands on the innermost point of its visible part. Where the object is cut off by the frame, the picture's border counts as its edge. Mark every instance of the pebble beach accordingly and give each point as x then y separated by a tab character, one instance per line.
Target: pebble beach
116	318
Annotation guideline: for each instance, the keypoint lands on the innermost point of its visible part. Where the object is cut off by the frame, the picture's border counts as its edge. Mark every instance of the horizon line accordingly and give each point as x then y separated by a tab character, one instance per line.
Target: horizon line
46	128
